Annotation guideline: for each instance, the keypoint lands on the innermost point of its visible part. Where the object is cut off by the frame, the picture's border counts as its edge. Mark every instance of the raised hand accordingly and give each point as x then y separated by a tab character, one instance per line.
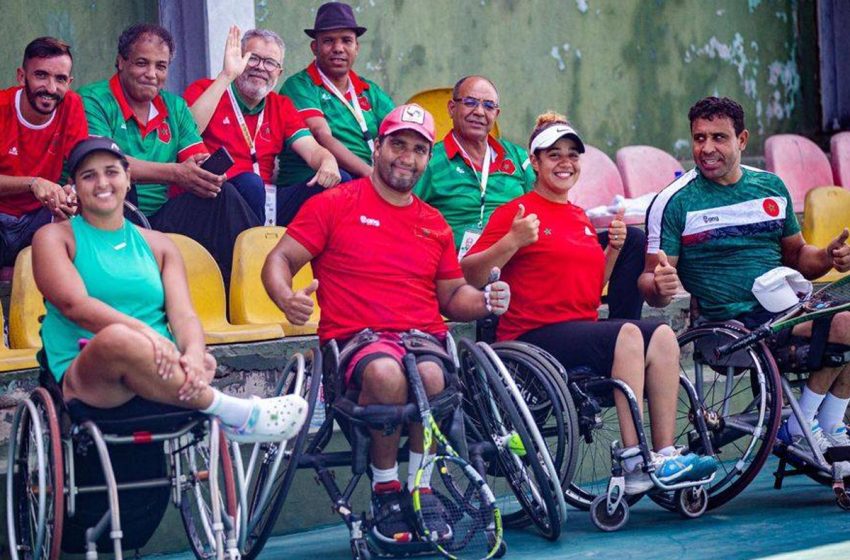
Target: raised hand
839	252
234	61
666	277
524	229
299	306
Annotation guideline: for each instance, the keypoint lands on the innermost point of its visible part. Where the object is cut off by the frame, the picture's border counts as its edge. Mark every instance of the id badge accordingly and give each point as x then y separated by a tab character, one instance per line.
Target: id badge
271	205
470	236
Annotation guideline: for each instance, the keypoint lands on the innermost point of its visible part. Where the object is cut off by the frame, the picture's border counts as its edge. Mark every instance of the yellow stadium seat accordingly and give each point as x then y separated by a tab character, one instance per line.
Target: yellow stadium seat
26	305
436	102
249	302
207	290
12	360
826	214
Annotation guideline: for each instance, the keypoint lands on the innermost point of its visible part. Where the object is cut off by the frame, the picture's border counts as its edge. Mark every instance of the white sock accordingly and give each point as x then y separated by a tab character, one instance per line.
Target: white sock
831	412
632	458
668	451
413	466
809	404
383	475
231	410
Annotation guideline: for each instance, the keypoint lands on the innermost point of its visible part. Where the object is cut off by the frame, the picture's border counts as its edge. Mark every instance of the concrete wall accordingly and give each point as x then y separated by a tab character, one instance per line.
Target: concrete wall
91	27
625	71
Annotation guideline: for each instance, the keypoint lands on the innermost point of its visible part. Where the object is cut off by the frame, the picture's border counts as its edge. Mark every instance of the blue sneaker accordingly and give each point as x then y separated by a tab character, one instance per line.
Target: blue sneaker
704	467
676	468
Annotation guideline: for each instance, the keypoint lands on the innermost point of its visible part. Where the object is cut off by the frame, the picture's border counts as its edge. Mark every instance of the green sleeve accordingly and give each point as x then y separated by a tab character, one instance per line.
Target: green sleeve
792	226
528	172
383	103
672	226
187	133
96	115
423	188
302	97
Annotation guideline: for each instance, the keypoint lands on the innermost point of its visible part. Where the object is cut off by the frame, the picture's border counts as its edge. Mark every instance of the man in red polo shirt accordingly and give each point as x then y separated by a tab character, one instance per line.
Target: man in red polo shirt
385	260
240	111
40	121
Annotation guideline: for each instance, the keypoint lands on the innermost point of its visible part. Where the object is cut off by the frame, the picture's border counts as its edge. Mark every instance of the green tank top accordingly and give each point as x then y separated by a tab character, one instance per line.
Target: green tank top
118	268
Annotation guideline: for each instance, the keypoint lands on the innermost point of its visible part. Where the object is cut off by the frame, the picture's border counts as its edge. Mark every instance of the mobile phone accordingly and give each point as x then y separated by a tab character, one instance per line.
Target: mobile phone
219	162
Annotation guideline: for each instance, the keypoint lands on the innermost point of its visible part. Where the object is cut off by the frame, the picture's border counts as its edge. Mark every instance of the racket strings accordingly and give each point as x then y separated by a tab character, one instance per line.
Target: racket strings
837	293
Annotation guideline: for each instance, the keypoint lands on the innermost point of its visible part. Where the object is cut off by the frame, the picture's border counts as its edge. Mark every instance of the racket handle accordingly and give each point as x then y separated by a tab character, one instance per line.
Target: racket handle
726	349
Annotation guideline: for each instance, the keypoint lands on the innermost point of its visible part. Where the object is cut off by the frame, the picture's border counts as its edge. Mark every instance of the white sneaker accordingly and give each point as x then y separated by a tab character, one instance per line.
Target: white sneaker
837	437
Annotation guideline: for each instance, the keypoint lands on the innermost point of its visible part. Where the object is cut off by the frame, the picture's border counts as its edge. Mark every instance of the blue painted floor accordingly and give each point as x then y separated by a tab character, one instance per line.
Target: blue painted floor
799	521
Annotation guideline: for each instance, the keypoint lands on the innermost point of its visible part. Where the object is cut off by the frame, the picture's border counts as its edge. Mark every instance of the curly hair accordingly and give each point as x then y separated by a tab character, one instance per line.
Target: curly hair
709	108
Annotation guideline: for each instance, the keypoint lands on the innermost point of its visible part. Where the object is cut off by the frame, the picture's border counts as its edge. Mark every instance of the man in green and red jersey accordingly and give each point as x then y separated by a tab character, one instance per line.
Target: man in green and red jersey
157	132
40	121
240	111
342	109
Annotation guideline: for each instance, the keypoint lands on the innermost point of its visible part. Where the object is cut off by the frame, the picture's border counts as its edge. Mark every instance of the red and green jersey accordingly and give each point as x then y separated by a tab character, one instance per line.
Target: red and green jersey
312	99
281	126
451	182
29	150
169	136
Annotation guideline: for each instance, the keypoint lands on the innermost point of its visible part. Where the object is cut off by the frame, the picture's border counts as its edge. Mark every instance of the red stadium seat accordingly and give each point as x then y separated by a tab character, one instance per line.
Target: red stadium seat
800	164
599	181
840	148
646	169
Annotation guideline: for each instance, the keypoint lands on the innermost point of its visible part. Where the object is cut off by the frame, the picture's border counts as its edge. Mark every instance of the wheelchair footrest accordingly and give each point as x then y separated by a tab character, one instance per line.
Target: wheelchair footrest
837	454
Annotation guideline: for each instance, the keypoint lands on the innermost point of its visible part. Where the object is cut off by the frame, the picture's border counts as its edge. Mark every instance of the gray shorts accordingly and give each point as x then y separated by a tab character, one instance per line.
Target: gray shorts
16	233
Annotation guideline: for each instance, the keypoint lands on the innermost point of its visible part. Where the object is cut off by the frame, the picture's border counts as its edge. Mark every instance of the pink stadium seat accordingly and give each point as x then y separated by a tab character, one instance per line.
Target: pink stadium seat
800	164
645	169
840	148
599	181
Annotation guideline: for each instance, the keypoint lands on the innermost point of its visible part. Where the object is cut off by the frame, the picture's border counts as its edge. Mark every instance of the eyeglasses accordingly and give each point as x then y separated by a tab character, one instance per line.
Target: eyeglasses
269	64
473	103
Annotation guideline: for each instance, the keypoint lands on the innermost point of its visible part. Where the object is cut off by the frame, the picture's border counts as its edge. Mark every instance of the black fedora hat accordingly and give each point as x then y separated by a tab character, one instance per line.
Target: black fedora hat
334	15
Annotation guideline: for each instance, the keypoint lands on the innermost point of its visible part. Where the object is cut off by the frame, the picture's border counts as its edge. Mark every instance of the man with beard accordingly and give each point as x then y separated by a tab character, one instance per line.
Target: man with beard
157	132
342	109
239	110
40	121
383	260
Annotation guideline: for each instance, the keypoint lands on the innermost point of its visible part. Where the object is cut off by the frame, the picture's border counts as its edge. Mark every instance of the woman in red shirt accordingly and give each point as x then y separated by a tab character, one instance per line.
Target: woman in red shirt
549	255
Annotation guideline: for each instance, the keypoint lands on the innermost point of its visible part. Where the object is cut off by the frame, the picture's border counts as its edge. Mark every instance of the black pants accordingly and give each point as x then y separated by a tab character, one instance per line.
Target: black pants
212	222
624	298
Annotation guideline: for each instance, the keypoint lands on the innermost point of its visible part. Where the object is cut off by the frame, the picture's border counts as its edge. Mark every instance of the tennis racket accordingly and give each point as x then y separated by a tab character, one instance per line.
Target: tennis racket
829	300
474	520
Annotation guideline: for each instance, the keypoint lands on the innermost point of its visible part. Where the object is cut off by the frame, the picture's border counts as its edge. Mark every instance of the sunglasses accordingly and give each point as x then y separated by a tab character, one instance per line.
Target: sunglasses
269	64
473	103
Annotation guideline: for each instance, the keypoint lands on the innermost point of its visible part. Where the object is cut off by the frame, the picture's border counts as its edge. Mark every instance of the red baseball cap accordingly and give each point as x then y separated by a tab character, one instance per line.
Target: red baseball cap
409	117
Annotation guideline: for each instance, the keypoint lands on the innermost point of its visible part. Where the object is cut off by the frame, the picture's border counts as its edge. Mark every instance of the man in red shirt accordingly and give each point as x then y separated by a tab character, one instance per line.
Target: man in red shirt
385	260
240	111
40	121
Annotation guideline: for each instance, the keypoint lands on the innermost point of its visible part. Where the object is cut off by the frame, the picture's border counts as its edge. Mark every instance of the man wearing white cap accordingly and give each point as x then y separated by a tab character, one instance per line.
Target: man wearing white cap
721	228
383	260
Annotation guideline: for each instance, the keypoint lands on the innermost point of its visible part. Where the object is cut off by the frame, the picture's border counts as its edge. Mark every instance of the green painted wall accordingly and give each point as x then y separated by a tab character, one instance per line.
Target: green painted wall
91	27
625	71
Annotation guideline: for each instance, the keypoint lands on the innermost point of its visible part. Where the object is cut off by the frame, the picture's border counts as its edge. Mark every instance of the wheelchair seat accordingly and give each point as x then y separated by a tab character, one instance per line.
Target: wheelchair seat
136	415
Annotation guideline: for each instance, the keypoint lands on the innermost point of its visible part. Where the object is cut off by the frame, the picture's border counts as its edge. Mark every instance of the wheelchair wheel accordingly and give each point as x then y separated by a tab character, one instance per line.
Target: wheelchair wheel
197	506
691	502
35	498
277	463
742	400
494	417
542	382
605	520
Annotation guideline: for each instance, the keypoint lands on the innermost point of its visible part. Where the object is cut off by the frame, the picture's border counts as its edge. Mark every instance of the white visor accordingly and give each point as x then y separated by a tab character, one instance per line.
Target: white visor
554	133
781	288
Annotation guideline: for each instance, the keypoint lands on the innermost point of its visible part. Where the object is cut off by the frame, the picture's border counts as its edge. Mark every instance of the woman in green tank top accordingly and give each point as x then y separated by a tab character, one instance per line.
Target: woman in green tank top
123	291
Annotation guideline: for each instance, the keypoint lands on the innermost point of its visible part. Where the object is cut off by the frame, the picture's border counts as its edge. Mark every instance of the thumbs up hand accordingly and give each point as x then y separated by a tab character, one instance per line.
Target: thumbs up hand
299	306
524	229
666	277
497	293
839	252
617	231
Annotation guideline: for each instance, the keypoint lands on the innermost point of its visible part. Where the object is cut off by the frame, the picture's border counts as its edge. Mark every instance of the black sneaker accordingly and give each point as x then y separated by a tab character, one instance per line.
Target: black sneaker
390	507
435	515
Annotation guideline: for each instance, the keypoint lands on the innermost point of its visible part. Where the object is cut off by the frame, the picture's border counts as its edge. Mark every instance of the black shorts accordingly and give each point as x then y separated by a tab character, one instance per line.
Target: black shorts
590	344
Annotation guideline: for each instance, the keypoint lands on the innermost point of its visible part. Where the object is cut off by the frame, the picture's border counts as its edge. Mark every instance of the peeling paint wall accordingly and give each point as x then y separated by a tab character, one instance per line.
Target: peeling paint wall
625	72
91	27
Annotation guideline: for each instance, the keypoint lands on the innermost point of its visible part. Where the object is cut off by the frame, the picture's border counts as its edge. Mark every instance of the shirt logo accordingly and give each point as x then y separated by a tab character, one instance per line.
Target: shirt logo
164	132
710	219
226	120
547	231
771	208
413	114
13	151
460	170
364	104
587	231
508	167
369	221
326	96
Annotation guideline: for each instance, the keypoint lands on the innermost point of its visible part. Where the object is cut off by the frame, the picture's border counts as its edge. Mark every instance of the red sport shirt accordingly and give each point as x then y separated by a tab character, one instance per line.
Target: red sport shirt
377	264
28	150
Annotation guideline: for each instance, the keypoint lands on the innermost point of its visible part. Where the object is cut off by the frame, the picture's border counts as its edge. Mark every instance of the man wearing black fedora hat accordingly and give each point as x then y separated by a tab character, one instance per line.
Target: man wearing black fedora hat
341	109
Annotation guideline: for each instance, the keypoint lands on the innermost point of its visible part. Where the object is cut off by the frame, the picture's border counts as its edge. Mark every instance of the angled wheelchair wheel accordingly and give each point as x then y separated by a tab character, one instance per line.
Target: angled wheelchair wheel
35	498
540	380
273	465
518	467
742	401
207	494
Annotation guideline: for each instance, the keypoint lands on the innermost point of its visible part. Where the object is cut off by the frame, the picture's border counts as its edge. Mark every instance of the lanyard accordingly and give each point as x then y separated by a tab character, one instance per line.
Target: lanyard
485	174
244	127
353	107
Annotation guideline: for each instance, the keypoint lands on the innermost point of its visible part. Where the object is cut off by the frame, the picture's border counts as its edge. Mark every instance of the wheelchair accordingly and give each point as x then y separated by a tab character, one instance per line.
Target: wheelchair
575	411
478	415
746	394
81	478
